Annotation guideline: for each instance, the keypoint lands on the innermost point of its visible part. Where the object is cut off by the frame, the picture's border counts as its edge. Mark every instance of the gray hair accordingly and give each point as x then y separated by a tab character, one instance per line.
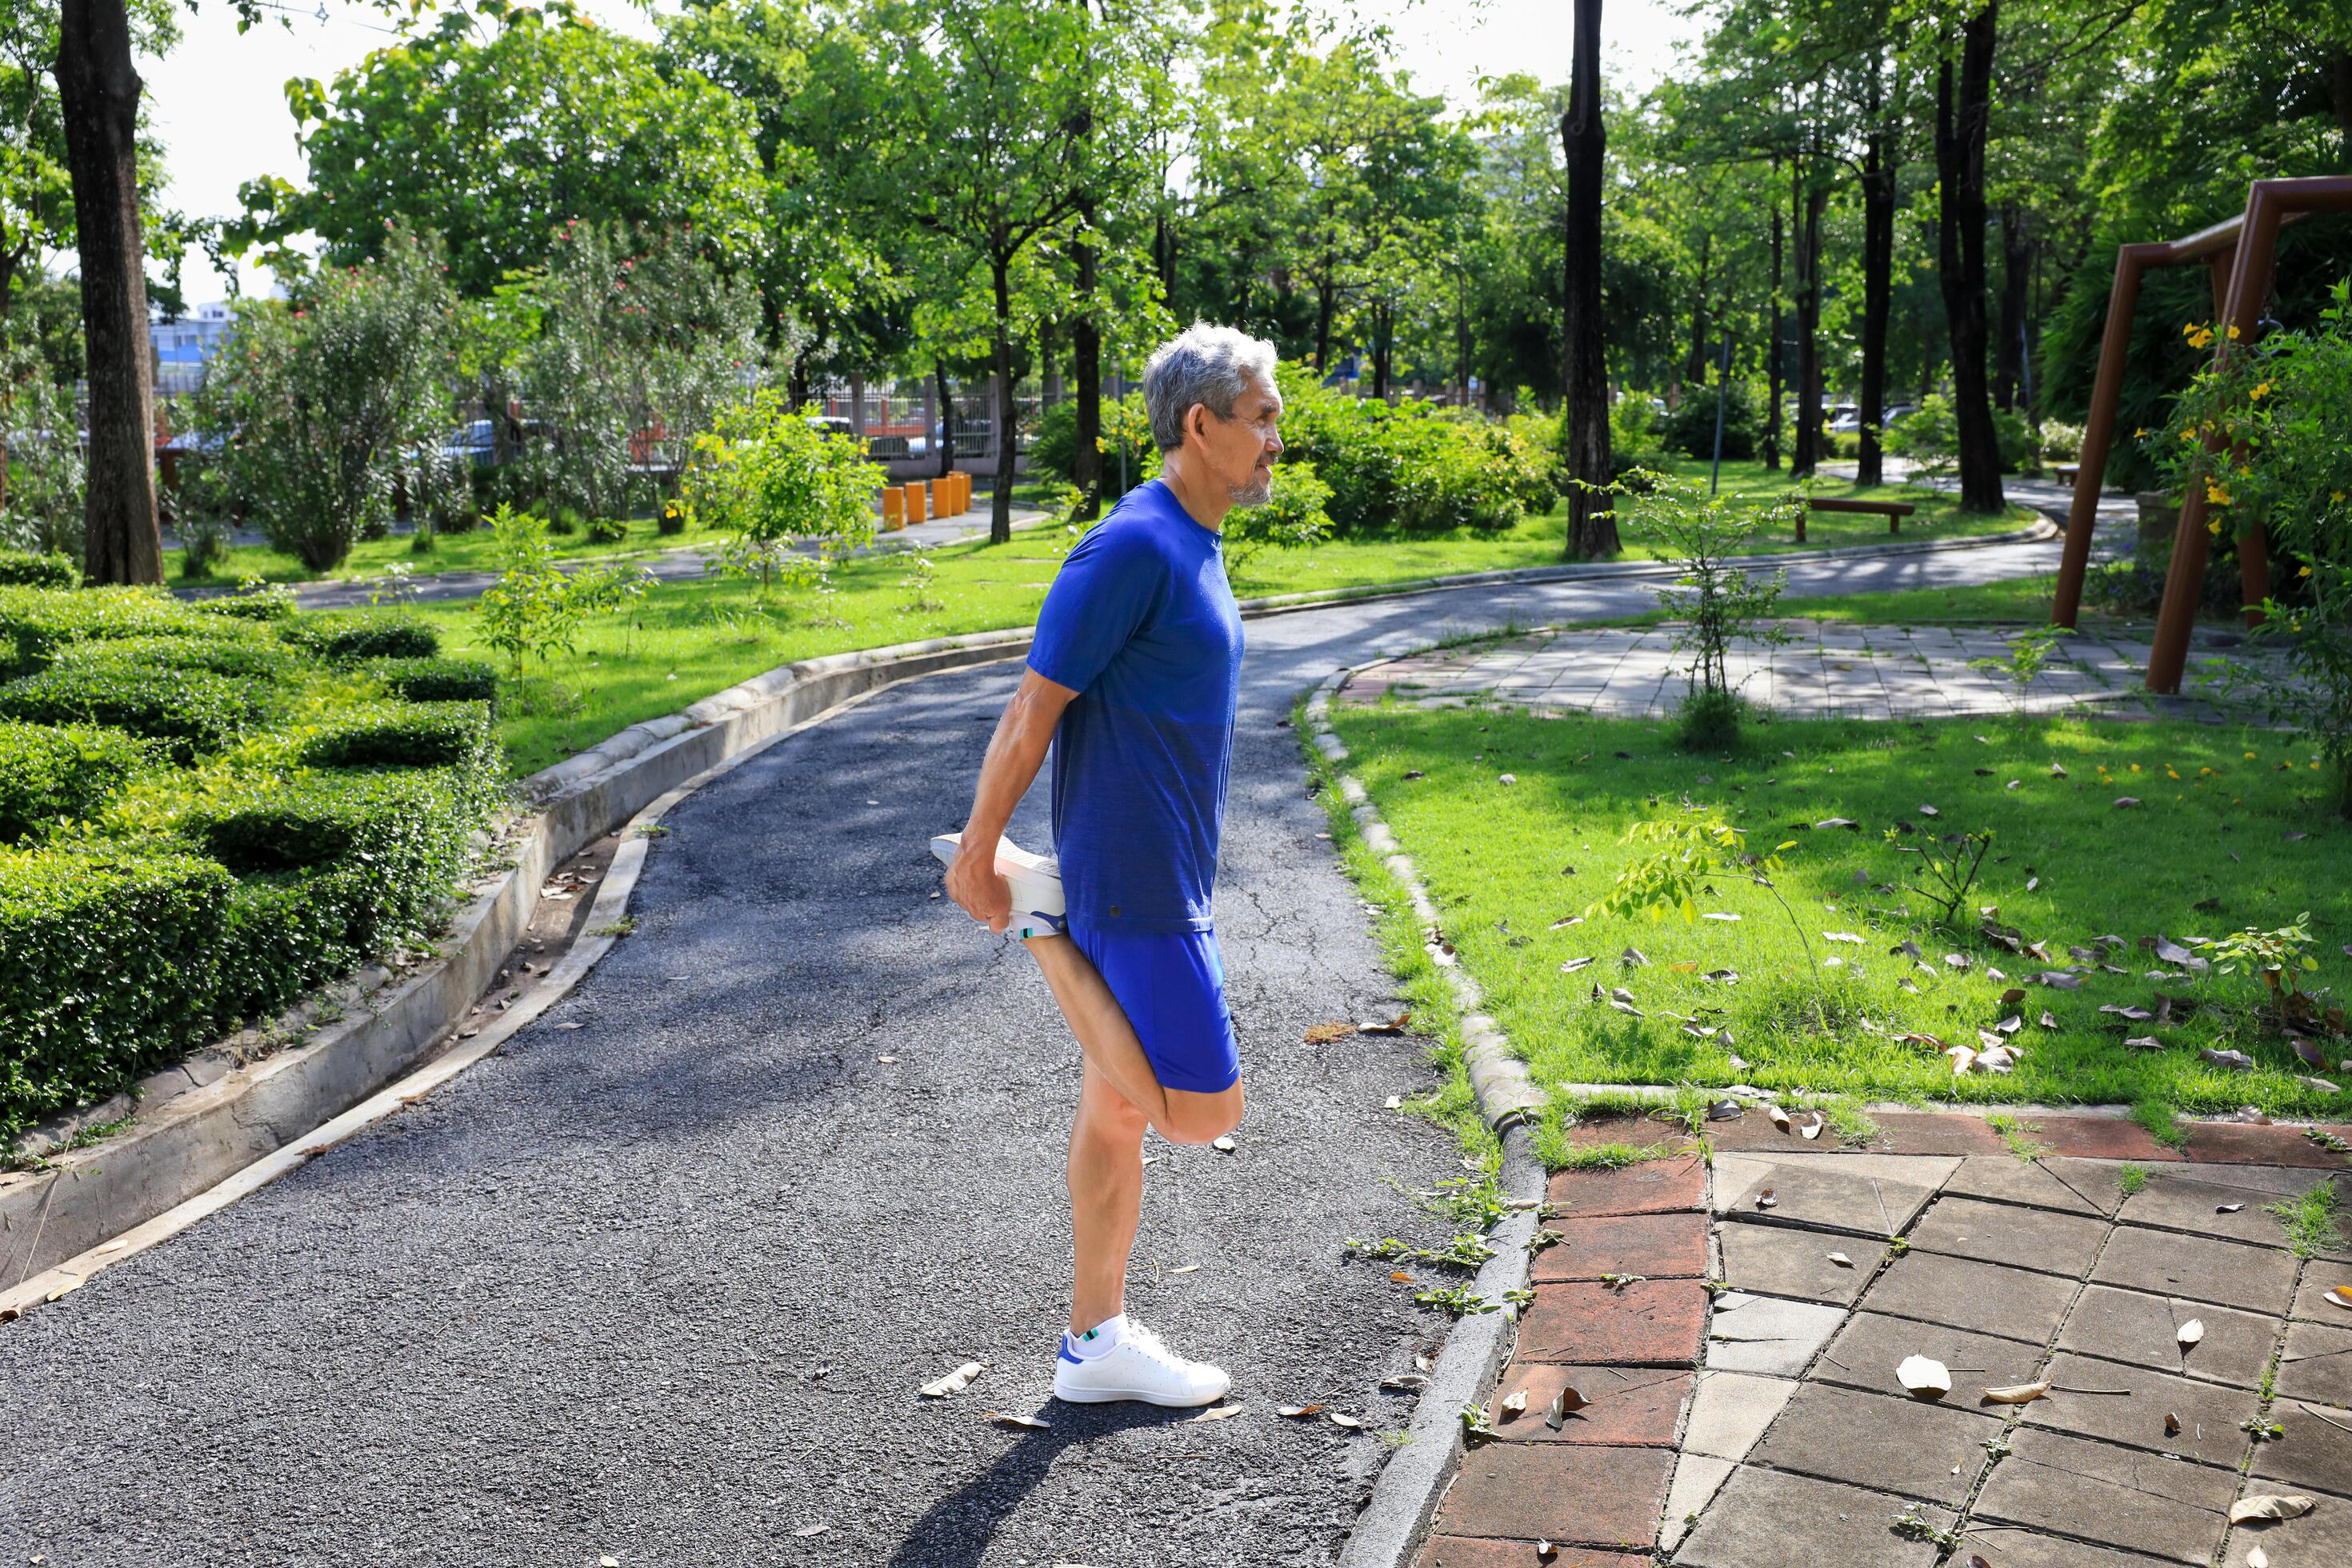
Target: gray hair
1203	364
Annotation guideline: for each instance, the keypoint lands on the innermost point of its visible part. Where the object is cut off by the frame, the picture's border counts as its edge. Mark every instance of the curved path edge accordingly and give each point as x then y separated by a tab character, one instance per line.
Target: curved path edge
1405	1499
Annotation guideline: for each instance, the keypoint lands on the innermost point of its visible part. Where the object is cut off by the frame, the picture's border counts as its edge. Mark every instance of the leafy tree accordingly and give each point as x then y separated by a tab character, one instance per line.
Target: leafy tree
496	143
770	482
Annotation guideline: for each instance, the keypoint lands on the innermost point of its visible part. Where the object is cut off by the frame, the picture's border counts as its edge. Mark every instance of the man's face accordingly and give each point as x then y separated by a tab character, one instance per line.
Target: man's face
1241	450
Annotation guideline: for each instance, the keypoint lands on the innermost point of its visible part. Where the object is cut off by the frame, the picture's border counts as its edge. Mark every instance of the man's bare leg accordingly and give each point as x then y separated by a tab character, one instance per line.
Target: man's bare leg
1105	1181
1108	1041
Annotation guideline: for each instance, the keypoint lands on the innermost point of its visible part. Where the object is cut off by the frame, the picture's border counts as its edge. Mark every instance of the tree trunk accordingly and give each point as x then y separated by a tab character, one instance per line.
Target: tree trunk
1772	347
1085	354
1811	196
1380	350
1877	287
1694	363
1325	303
1963	110
2339	84
1584	423
98	100
1008	438
2016	274
947	420
1049	365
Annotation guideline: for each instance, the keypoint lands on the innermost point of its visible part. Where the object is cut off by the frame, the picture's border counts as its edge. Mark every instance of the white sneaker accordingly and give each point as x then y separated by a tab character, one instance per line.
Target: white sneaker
1037	882
1138	1367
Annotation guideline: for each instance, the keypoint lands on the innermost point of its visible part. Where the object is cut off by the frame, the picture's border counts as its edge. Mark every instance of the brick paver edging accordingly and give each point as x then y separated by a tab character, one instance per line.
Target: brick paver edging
1404	1498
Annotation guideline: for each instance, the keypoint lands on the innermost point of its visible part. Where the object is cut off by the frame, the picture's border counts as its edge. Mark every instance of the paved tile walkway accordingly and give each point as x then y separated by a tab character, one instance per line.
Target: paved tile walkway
1734	1327
1828	670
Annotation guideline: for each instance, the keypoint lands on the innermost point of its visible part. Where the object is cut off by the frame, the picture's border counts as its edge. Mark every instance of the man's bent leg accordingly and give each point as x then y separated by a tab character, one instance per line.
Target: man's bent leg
1110	1044
1105	1181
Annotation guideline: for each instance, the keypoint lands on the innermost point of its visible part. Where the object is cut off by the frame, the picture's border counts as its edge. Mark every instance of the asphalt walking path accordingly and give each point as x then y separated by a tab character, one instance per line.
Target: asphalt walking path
657	1282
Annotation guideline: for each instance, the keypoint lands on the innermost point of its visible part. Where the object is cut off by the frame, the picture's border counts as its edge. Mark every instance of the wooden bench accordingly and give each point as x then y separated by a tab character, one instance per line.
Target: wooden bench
2067	472
1894	511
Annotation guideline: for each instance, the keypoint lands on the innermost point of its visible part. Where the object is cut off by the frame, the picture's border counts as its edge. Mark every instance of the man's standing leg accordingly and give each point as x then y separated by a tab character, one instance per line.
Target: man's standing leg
1106	1180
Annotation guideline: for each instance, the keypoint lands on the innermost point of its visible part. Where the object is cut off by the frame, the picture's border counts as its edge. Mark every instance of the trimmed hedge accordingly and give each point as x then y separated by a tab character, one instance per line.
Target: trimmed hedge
193	712
48	772
36	622
437	679
457	735
53	570
273	602
242	658
362	634
147	912
110	963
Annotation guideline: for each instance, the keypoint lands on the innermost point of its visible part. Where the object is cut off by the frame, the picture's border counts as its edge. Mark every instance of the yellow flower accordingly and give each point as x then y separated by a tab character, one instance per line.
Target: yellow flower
2200	338
2305	571
2140	432
2214	528
2217	493
2233	333
2262	390
2134	767
2336	495
2188	434
2250	756
2170	774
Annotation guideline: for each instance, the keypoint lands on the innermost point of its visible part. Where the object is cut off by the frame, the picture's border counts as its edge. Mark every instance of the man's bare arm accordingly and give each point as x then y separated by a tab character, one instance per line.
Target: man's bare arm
1015	752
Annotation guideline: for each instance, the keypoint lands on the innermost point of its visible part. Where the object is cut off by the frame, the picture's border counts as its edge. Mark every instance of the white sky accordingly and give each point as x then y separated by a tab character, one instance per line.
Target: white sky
218	103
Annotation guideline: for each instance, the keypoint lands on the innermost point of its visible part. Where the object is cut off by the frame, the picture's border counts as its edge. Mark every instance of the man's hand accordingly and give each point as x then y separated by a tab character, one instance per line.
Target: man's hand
1015	753
972	882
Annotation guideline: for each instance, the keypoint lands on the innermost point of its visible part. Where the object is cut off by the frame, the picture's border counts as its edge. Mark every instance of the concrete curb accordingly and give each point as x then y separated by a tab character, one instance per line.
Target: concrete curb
1405	1499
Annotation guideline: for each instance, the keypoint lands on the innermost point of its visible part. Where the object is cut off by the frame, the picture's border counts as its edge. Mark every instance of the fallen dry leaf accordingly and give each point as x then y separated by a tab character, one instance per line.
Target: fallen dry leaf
1566	1400
2125	803
2171	1425
1223	1144
2047	1021
2016	1392
1923	1375
1840	1259
1298	1412
2227	1208
1516	1401
955	1381
1573	965
1812	1129
2257	1558
1779	1117
2341	1296
1765	1200
1030	1421
2191	1332
1326	1033
2270	1506
1184	1268
1220	1412
2236	1061
1401	1277
1546	1551
1349	1421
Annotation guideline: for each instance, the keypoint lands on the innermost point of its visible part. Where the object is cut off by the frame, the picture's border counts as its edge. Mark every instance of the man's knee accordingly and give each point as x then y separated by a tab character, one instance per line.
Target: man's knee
1201	1118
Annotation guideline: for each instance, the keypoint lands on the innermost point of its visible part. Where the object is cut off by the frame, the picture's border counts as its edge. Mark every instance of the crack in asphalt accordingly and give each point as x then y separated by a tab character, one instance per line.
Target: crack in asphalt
581	1300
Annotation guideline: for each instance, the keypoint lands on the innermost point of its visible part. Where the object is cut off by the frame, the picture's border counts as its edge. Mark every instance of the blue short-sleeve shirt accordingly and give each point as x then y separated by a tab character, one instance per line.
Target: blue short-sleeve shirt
1141	624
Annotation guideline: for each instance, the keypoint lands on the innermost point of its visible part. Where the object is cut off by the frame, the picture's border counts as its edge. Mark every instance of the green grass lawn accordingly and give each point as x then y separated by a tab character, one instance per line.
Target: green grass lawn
2233	832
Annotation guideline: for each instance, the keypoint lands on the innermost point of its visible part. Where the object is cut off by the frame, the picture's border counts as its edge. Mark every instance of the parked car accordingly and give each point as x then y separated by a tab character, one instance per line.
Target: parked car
830	424
1846	419
472	442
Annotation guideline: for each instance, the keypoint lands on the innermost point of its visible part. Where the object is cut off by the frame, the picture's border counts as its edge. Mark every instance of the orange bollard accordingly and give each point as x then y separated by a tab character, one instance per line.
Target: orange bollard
915	501
942	499
894	508
963	491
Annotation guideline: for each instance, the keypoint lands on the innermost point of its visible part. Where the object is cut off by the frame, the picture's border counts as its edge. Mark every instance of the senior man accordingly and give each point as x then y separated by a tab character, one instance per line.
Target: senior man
1133	679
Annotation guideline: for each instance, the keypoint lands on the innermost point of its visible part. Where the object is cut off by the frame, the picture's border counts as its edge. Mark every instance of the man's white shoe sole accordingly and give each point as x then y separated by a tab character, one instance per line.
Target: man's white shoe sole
1112	1395
1035	879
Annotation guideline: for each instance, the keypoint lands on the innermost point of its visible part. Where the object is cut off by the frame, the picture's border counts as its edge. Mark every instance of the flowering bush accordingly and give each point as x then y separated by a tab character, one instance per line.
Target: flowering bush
2262	436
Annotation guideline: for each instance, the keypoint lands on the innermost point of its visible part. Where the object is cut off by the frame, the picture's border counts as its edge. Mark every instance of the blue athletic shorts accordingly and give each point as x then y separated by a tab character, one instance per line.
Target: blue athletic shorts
1172	986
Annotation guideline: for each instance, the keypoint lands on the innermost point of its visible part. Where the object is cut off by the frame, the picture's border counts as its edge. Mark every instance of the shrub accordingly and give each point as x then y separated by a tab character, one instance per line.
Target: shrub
2021	449
53	771
536	607
2061	443
437	679
1929	437
39	621
204	545
671	521
1054	448
317	408
607	531
1409	468
404	735
362	634
1293	520
767	477
2263	436
244	658
1636	439
109	966
253	601
53	569
307	821
192	712
42	508
1690	430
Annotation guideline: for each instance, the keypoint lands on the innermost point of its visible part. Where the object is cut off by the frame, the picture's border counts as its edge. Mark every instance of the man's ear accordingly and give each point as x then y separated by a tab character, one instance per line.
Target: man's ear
1202	429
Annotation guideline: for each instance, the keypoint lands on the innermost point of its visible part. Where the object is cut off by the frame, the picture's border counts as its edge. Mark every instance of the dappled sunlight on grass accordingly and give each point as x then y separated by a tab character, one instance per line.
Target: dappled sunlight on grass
2220	841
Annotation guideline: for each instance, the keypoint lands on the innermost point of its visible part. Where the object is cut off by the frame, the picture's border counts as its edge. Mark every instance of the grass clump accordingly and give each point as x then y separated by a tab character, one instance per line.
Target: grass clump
2309	1219
2130	1178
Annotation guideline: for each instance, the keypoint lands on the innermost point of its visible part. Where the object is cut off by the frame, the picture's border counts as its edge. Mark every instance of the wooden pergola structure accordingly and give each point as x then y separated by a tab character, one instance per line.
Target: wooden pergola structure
2241	254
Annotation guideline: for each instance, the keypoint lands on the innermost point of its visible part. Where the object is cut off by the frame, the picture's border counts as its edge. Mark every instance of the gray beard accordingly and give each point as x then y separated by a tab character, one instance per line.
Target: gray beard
1258	492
